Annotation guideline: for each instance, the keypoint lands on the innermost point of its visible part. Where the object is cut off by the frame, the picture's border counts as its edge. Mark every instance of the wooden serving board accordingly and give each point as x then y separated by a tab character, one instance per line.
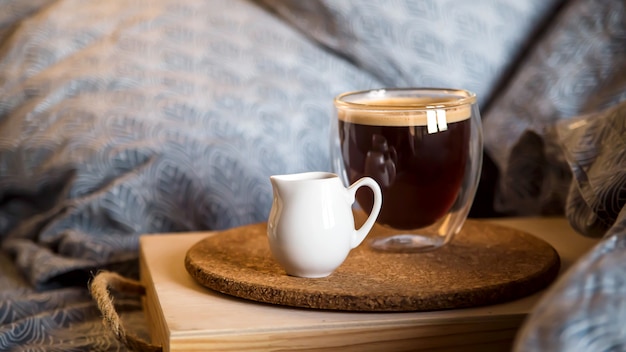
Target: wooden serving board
484	264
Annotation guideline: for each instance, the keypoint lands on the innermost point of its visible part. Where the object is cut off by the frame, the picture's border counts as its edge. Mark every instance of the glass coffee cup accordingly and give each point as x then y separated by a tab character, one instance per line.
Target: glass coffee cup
424	148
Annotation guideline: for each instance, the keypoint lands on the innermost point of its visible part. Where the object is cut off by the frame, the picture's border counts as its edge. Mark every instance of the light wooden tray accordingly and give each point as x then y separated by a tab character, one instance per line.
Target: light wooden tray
185	316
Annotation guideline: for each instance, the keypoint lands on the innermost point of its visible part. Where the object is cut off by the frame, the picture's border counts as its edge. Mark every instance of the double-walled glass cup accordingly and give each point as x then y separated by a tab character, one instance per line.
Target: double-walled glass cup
424	148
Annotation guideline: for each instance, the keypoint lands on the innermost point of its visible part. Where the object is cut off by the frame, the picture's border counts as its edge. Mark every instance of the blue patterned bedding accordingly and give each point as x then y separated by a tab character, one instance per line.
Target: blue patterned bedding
586	309
120	118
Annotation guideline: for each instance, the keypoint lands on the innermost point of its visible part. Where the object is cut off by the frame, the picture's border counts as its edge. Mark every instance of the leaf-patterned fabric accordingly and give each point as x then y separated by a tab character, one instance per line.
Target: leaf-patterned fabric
152	117
443	43
577	66
586	309
119	118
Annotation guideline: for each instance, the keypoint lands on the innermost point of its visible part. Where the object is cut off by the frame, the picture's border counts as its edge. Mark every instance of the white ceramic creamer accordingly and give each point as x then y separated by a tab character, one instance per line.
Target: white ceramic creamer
311	224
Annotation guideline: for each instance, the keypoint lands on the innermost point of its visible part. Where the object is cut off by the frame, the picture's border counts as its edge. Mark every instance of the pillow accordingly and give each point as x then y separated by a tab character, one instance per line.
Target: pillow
120	118
422	43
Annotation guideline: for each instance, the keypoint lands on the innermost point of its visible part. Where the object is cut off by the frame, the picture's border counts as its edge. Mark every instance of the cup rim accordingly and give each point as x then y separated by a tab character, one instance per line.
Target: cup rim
465	97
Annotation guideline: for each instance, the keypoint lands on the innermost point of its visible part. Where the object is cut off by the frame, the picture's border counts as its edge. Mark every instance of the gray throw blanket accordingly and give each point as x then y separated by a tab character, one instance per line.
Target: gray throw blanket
586	309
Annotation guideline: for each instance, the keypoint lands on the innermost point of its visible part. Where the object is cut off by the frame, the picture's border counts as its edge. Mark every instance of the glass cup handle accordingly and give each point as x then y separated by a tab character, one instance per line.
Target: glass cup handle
360	234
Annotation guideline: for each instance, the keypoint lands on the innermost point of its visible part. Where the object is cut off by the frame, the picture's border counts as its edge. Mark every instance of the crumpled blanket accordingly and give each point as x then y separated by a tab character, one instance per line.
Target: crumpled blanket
119	118
576	66
586	309
60	319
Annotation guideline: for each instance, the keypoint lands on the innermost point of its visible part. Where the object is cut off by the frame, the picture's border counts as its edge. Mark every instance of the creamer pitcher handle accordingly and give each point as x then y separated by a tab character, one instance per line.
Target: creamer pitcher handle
359	235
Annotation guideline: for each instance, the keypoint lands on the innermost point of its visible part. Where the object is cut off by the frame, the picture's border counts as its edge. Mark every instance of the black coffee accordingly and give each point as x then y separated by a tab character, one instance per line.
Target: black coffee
420	168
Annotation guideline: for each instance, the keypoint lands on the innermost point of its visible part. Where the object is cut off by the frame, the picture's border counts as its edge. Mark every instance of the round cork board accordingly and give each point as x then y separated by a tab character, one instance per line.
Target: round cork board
484	264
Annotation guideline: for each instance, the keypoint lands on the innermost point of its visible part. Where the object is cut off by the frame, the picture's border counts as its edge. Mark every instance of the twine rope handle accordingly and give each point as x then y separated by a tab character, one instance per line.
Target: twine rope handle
99	288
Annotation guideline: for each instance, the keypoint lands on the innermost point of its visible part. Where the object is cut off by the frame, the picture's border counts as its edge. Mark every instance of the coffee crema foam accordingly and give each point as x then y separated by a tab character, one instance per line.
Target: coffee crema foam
403	111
